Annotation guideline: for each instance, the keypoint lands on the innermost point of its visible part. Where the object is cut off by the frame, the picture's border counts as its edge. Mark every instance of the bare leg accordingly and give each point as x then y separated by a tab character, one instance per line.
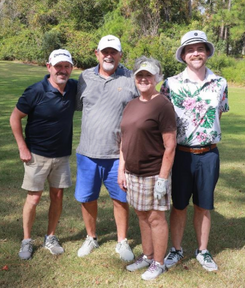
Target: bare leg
121	214
154	234
177	226
159	232
55	209
29	212
89	212
202	225
146	237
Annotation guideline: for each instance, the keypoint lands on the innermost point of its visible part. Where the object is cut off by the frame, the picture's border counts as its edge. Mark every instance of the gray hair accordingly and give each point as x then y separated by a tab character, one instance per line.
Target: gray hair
151	60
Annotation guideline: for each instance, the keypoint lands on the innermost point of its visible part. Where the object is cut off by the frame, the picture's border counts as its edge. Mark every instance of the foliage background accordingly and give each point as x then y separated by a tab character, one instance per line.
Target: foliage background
31	29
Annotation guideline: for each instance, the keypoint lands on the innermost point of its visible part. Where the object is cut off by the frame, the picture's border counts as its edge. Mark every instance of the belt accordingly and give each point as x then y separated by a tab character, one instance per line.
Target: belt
199	150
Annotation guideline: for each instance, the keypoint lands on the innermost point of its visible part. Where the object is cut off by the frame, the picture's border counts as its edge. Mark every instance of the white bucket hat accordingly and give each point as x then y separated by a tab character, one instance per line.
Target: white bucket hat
193	37
110	41
59	55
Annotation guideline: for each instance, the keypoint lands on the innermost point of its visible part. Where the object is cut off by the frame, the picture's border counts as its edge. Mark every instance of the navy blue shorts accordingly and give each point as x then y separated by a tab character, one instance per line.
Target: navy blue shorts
91	173
195	175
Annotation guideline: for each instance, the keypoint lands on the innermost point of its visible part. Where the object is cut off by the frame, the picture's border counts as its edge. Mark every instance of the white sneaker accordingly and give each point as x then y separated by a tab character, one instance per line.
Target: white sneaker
206	260
88	245
124	250
141	262
173	257
154	271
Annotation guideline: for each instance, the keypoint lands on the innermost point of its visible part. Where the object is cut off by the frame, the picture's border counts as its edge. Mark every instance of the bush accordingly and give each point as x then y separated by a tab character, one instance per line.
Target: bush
25	46
82	46
218	62
235	73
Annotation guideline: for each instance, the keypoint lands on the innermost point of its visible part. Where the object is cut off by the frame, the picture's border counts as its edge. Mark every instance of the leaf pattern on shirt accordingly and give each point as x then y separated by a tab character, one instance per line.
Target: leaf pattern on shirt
197	107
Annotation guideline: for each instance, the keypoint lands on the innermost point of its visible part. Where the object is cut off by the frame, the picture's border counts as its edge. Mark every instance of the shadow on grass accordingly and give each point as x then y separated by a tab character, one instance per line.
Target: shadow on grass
226	233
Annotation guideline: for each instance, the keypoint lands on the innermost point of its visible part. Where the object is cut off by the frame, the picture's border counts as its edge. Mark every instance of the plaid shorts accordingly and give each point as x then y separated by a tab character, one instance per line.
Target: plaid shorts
140	193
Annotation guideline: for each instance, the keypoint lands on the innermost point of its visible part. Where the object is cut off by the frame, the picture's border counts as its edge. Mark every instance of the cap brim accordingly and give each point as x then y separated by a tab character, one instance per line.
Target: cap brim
53	63
153	72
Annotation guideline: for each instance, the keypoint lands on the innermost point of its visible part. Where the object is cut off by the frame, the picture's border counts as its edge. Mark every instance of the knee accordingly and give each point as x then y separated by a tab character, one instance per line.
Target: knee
121	206
33	199
56	196
117	203
178	212
200	210
156	219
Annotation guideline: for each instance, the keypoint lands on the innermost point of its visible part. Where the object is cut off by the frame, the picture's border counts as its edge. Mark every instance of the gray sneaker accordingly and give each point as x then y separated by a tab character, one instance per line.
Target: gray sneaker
124	250
206	260
26	249
173	257
88	245
52	244
154	271
141	262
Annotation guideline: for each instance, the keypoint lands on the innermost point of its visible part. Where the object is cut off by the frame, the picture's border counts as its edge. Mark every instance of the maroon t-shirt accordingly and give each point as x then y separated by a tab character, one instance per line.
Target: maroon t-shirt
142	126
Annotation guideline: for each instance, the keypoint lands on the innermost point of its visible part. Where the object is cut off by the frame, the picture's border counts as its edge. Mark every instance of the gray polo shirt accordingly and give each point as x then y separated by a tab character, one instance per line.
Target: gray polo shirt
102	102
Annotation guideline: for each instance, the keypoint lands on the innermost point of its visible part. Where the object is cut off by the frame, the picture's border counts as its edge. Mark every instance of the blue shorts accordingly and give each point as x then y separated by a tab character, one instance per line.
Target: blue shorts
91	173
195	175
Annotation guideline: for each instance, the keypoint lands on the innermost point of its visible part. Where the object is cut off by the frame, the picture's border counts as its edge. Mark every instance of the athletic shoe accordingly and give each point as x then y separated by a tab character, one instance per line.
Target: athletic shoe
154	271
173	257
124	250
52	244
26	249
206	260
141	262
88	245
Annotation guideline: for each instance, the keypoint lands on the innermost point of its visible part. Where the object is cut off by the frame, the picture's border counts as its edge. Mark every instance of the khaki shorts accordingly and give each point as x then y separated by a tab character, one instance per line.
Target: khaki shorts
140	193
39	168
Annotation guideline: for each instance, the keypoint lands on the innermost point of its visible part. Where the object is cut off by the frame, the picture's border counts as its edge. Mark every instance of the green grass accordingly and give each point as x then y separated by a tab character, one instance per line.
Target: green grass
103	268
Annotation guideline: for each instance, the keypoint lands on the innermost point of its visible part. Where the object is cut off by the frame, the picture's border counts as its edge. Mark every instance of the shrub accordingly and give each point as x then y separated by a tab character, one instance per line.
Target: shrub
25	46
82	46
219	61
235	73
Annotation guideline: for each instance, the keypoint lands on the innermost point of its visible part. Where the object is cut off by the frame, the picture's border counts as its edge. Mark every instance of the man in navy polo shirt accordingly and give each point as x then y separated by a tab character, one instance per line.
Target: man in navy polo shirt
46	147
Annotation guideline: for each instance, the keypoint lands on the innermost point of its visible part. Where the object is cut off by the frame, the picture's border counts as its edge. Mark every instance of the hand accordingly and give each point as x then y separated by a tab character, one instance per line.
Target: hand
160	188
122	180
25	154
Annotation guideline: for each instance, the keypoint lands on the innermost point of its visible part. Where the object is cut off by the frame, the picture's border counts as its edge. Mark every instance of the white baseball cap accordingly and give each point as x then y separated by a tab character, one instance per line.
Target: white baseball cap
147	66
193	37
60	55
110	41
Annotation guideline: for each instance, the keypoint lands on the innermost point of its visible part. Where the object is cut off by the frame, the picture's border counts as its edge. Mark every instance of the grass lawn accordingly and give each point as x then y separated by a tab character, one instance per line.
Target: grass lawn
103	268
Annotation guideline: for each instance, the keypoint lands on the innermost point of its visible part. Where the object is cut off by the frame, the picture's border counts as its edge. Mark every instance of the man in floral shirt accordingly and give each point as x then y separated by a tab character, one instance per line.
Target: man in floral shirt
199	98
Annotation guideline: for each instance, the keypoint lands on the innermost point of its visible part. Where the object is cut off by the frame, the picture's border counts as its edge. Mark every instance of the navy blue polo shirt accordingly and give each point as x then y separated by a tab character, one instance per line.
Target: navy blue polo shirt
49	124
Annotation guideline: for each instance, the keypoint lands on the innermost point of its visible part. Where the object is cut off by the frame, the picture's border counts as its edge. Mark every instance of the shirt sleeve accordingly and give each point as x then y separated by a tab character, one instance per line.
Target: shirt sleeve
224	106
28	99
165	89
167	118
79	103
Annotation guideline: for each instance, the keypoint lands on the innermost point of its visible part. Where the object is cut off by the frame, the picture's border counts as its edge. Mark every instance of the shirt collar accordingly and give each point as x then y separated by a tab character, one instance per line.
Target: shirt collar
49	87
119	71
208	77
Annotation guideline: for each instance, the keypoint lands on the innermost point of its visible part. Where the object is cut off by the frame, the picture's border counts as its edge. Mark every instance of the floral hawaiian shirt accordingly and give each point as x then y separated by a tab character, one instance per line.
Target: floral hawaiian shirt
198	107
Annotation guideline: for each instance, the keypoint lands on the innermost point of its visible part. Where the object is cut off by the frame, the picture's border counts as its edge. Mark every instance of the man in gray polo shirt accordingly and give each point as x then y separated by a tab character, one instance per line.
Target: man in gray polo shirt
103	93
